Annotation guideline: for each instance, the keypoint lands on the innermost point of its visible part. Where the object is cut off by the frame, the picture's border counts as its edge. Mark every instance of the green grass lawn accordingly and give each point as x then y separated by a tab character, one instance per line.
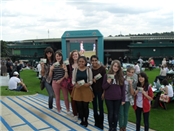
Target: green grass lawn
160	120
89	53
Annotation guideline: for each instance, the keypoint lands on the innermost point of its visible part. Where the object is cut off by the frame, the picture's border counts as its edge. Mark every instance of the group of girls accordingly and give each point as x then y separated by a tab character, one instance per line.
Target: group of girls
95	85
54	70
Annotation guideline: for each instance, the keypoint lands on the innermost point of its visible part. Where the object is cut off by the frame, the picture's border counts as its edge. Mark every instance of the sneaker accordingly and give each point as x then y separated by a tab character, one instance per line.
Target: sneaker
60	111
69	113
55	109
75	118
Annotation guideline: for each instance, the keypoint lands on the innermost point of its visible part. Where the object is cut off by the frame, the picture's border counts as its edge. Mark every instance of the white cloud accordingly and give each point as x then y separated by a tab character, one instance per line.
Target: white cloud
30	19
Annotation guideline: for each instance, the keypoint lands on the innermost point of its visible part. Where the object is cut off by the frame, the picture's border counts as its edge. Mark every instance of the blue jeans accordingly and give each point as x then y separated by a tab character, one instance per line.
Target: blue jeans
50	93
113	107
97	97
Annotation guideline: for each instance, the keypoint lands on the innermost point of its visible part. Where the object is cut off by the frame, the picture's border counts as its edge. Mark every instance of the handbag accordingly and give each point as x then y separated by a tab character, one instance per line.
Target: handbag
42	83
64	83
69	82
164	98
69	79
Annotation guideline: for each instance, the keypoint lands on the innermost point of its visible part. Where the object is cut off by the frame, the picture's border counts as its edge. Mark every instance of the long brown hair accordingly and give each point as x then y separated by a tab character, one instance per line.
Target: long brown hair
71	61
119	74
60	54
49	49
146	82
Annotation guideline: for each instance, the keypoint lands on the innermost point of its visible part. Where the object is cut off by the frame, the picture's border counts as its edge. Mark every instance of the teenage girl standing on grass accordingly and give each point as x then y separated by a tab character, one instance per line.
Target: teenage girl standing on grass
129	92
82	92
97	102
73	63
114	93
58	72
142	102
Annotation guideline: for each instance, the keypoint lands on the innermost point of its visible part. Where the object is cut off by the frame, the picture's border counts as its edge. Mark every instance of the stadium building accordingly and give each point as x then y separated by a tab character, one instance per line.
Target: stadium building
129	48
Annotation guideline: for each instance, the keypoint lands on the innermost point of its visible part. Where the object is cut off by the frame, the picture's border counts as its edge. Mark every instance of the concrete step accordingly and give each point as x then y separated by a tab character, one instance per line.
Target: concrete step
31	112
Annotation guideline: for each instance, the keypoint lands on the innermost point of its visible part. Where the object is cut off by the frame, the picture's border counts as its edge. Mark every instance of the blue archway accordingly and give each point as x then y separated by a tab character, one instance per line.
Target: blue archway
79	35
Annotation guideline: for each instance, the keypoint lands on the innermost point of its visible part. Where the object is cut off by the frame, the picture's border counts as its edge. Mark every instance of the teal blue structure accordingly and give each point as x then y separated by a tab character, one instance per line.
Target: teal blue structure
72	37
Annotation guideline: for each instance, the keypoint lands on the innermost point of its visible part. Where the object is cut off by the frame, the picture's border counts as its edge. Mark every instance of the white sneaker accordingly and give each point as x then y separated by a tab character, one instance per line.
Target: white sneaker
60	111
55	109
75	118
69	113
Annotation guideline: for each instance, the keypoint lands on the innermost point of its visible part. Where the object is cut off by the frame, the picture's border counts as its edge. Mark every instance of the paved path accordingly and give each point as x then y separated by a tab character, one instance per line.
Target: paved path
28	113
31	113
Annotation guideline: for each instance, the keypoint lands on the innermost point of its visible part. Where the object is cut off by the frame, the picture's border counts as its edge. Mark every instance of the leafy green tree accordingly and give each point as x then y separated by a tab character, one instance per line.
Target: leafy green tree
3	49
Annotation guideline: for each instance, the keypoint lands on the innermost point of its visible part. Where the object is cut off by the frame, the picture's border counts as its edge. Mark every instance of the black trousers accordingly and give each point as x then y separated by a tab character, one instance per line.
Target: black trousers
83	110
113	107
98	103
138	113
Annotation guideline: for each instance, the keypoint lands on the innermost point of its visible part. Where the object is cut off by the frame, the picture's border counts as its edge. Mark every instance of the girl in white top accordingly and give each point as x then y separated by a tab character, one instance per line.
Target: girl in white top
163	71
137	68
162	75
168	89
164	61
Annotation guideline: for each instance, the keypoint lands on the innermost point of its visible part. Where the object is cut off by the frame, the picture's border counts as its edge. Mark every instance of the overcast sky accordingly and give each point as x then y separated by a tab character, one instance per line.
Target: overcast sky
31	19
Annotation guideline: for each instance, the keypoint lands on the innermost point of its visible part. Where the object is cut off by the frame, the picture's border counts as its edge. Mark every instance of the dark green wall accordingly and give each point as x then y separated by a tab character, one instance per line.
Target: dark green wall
156	49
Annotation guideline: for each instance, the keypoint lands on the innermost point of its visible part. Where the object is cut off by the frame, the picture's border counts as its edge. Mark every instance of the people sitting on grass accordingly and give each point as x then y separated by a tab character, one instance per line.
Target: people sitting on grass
151	63
163	73
15	84
164	62
136	67
167	90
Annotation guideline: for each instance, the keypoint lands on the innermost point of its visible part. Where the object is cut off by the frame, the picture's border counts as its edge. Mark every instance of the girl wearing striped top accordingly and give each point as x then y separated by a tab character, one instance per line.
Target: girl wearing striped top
58	72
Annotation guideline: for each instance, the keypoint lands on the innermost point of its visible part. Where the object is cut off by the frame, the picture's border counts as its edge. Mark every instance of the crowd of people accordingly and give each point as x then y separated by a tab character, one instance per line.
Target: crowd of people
93	84
13	69
86	80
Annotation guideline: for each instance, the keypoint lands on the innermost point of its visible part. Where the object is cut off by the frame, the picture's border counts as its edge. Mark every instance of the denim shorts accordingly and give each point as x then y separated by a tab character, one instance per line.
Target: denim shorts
19	88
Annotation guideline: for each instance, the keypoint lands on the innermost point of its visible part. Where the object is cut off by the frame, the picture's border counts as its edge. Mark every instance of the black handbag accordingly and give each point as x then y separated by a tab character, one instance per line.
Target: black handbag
42	83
